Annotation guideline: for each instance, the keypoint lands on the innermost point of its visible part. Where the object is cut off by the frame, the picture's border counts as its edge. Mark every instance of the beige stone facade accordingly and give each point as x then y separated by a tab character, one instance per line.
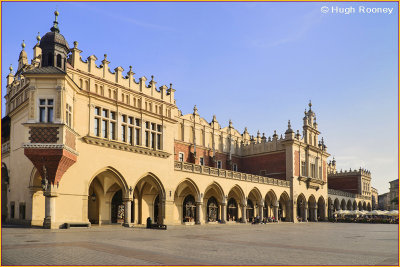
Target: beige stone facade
87	144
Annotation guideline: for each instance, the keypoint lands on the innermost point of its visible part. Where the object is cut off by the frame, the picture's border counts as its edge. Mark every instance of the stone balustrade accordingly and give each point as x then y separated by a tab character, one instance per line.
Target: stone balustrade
5	147
205	170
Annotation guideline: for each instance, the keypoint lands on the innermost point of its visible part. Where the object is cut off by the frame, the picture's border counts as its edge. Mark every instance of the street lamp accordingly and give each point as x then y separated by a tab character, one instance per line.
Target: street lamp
93	196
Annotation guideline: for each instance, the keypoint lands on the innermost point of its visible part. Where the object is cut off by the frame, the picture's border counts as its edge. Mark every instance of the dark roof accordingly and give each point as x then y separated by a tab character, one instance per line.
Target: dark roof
45	70
53	37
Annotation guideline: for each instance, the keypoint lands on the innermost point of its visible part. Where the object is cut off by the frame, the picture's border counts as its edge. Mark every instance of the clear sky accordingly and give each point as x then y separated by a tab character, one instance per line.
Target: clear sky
255	63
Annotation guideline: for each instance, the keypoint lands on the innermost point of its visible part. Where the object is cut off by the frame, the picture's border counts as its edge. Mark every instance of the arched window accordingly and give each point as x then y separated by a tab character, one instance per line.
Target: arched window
59	60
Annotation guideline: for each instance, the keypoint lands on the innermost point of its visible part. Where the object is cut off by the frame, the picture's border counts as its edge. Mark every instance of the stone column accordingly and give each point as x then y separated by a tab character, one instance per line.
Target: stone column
276	206
305	212
50	207
223	212
244	213
293	211
136	211
260	210
199	211
128	213
315	213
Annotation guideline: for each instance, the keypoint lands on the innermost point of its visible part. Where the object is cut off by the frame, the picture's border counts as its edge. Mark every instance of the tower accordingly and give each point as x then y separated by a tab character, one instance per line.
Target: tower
54	47
310	127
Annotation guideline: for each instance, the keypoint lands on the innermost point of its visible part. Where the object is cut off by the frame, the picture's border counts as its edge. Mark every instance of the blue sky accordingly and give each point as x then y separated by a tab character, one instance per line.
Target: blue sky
255	63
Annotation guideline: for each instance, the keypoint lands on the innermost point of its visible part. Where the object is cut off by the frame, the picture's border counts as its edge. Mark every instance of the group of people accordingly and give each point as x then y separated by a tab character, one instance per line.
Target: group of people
366	219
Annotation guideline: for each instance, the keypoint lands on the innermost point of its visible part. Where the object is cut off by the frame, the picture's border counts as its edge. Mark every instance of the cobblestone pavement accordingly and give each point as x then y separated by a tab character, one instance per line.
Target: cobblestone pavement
272	244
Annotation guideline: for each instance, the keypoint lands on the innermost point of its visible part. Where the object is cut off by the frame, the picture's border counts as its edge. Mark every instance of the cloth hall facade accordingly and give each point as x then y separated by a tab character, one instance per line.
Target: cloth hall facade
84	144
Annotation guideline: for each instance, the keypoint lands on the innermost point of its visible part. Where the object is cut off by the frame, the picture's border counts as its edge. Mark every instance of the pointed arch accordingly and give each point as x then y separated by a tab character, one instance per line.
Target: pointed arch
116	173
343	204
237	192
191	184
152	179
349	205
217	187
256	192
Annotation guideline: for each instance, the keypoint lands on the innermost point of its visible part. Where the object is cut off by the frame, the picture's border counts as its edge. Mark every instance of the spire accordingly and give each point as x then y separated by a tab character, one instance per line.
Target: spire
55	23
194	109
230	124
214	118
38	38
289	129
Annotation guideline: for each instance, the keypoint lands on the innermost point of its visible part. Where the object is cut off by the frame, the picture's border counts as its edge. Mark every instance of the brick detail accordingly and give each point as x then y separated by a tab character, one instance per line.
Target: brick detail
206	153
274	164
57	161
43	134
296	163
70	139
348	183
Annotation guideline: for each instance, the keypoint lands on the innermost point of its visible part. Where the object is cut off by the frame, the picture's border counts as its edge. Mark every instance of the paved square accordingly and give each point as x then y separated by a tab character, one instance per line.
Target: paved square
271	244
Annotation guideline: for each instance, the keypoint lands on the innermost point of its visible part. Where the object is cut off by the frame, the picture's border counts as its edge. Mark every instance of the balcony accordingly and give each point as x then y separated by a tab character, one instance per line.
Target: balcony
204	170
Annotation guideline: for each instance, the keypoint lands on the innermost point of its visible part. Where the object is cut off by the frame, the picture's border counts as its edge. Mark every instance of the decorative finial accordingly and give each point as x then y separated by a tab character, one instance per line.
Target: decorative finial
55	23
105	56
23	44
152	78
38	38
310	104
11	68
230	123
130	68
75	44
194	108
170	85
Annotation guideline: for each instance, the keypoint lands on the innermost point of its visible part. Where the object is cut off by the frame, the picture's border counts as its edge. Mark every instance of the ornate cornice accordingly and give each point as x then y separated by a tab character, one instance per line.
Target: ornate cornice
49	146
125	147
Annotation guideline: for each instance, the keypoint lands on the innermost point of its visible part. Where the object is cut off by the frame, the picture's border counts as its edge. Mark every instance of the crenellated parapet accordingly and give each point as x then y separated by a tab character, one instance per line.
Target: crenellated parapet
100	79
350	172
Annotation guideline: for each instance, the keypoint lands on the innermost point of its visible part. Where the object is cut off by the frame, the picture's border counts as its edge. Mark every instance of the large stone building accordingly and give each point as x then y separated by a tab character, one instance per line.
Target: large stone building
390	200
82	143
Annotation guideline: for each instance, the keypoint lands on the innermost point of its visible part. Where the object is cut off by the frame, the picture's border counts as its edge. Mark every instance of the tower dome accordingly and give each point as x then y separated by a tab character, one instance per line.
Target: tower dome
55	48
